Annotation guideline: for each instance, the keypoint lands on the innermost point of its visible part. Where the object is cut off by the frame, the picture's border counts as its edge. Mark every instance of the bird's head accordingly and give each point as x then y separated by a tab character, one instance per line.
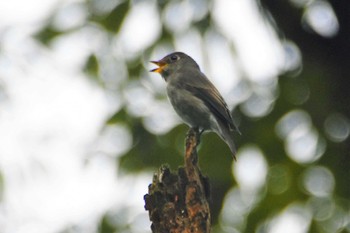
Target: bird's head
172	63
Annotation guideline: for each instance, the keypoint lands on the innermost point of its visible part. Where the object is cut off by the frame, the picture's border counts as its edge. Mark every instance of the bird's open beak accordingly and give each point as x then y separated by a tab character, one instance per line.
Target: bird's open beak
161	65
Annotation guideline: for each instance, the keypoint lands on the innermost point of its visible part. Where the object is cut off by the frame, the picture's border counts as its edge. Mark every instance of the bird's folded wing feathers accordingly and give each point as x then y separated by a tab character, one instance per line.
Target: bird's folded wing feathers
214	103
206	91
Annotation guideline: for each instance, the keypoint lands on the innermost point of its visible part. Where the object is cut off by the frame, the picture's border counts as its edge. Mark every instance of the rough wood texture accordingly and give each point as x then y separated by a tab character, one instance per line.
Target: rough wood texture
178	203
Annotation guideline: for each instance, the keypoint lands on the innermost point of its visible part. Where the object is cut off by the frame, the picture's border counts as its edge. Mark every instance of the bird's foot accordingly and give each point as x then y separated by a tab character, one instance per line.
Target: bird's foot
200	132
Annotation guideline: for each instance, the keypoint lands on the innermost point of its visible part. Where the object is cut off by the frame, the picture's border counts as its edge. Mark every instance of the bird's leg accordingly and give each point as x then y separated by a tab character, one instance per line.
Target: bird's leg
198	134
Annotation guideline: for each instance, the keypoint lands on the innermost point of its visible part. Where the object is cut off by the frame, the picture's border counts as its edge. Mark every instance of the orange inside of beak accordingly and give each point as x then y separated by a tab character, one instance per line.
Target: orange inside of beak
161	65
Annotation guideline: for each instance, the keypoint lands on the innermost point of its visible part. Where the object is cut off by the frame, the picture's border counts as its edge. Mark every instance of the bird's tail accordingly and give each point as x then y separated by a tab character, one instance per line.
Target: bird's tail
226	135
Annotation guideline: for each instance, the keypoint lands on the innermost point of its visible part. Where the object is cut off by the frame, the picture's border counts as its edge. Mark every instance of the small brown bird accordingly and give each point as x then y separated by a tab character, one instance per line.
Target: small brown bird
194	97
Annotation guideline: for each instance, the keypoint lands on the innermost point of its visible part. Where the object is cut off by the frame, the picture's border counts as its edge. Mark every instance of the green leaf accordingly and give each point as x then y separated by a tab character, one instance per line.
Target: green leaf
114	20
119	117
91	66
47	34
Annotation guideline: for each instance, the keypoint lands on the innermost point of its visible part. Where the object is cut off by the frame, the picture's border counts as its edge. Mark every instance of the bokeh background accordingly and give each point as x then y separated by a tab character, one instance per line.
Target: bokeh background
84	125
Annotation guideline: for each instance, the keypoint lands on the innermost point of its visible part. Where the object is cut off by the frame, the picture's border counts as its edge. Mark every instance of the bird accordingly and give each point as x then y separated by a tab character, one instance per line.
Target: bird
194	98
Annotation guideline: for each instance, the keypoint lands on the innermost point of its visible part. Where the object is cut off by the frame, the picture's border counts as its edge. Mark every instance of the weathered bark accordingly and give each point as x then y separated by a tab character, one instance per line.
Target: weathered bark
178	203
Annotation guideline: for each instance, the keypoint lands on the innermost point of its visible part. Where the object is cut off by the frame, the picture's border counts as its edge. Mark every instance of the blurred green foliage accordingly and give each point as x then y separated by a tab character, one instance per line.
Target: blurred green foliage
114	19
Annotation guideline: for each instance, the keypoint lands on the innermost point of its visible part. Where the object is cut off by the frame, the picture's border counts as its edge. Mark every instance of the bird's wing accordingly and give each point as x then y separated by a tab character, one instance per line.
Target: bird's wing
201	87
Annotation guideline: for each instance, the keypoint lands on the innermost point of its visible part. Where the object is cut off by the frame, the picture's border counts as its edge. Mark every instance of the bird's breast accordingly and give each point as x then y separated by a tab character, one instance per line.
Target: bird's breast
190	108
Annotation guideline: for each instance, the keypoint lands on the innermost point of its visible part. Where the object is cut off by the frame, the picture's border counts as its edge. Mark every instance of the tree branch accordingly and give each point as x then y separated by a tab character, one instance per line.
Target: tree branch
179	202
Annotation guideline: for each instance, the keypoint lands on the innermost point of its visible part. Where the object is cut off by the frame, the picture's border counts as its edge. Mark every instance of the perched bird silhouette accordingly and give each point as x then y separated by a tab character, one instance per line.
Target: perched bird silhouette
194	98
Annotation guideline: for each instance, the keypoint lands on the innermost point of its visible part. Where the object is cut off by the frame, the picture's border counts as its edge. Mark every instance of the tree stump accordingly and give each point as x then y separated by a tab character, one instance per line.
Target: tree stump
178	203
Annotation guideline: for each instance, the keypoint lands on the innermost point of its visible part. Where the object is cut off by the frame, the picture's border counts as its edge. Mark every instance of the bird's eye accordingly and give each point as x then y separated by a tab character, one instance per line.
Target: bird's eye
174	57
